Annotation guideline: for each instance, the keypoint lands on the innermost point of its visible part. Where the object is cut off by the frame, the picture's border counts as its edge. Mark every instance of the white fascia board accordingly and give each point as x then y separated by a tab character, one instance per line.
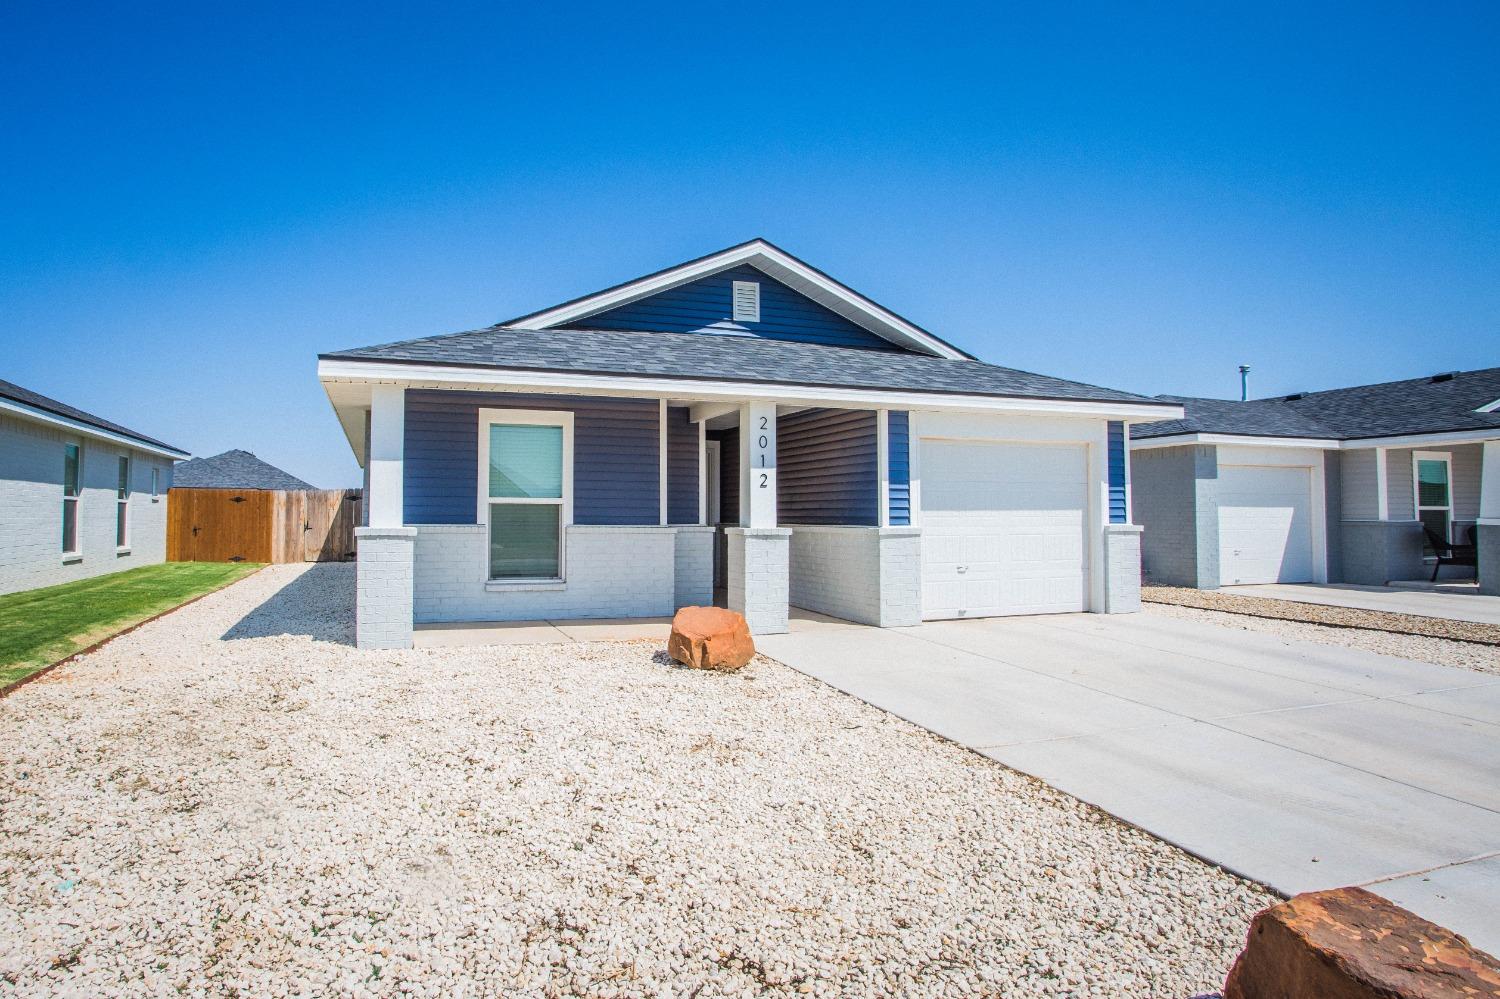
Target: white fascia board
1420	440
1489	407
88	429
1177	440
841	299
524	380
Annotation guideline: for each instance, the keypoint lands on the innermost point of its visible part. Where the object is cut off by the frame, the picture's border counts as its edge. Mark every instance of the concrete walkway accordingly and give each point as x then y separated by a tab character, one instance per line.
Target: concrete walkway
1456	606
1299	765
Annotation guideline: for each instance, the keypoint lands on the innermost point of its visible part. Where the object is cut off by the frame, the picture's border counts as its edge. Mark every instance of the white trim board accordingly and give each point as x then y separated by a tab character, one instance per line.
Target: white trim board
336	371
1332	444
774	262
88	429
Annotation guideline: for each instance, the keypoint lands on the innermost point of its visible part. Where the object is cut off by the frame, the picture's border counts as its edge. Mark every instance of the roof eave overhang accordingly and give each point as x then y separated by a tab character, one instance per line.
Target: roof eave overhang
775	262
334	371
1267	440
89	430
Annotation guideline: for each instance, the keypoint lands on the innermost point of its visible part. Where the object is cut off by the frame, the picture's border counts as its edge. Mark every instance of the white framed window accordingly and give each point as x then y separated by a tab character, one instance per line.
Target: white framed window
122	503
525	492
155	484
1432	489
72	489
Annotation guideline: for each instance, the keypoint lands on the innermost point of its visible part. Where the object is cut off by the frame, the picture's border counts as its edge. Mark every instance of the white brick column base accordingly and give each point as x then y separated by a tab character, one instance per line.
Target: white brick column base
694	569
757	568
383	587
1122	569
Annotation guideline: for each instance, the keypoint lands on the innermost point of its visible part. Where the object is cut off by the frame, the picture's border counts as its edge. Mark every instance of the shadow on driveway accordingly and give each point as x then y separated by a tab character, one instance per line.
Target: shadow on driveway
318	604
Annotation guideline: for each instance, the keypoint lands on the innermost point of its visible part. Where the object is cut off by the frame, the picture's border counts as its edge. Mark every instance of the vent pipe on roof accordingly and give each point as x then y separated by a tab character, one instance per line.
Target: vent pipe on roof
1244	382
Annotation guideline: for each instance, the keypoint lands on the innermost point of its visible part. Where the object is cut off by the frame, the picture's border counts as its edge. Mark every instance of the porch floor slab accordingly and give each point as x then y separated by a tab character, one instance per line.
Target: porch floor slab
452	634
1451	604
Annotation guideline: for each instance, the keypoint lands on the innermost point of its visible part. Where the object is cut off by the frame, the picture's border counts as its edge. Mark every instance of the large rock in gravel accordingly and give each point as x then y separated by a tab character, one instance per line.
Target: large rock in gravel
1348	943
710	638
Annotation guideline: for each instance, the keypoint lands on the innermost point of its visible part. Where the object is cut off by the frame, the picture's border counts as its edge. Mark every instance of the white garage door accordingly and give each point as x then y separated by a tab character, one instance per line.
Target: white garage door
1003	528
1265	524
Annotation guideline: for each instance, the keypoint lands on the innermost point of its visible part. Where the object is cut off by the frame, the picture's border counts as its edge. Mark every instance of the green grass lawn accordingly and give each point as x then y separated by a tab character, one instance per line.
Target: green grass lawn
39	627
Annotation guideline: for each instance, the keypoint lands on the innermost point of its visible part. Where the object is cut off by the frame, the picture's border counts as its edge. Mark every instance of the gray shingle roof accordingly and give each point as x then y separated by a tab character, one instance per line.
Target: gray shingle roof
14	392
1434	404
722	357
234	470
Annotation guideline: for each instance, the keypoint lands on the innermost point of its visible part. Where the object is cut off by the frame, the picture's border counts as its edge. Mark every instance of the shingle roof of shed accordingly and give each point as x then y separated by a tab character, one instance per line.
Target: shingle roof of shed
234	470
732	358
14	392
1434	404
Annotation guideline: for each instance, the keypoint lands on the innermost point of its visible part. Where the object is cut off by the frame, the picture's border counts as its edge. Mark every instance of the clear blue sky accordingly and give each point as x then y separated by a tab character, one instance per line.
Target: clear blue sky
193	204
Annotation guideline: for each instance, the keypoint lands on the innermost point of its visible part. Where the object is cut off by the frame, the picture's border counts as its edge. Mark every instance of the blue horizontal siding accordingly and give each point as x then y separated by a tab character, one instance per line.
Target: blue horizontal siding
682	467
616	478
898	470
703	306
826	467
1116	472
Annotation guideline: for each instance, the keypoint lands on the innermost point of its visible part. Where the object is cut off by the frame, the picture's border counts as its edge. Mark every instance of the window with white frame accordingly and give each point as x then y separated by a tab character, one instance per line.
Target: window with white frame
155	484
72	486
122	504
1432	483
525	491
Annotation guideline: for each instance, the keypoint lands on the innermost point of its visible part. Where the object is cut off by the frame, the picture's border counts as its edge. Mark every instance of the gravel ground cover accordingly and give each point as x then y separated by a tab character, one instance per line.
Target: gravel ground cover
1324	614
1442	651
233	801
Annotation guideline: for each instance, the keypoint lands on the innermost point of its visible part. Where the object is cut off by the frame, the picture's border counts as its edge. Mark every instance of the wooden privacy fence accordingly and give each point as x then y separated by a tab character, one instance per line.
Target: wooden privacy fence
261	525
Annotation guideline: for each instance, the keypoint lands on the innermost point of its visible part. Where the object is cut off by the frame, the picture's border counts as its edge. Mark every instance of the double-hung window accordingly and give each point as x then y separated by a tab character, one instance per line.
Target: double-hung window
122	504
72	470
525	492
1432	475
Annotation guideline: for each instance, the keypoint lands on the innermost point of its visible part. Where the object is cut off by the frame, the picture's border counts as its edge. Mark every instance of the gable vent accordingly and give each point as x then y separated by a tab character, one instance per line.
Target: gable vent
747	301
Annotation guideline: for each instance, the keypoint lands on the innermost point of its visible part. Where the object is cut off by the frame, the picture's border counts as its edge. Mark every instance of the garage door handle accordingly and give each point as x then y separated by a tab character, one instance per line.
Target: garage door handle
963	568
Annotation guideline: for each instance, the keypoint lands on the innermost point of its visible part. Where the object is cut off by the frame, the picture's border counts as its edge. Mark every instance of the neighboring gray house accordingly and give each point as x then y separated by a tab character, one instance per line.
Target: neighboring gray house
742	417
1335	486
79	495
235	470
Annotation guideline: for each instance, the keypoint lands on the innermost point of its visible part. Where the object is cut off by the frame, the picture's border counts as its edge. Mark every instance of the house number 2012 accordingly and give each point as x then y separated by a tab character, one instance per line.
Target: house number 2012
764	442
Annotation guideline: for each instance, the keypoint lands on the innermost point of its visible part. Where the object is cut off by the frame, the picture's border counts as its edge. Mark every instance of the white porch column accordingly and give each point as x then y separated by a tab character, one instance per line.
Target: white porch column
386	548
1382	486
883	467
387	445
758	550
1487	531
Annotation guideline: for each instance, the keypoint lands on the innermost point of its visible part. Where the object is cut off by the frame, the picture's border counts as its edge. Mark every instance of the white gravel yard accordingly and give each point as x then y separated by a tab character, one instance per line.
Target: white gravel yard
1444	652
234	801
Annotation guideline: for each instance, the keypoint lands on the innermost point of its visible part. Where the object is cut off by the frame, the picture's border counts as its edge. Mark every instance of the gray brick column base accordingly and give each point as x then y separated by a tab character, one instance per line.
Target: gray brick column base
1374	552
383	587
869	575
1122	569
1487	537
694	566
757	569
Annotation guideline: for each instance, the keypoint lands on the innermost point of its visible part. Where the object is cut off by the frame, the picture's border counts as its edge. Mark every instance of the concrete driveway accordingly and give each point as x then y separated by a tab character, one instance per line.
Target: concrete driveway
1299	765
1396	600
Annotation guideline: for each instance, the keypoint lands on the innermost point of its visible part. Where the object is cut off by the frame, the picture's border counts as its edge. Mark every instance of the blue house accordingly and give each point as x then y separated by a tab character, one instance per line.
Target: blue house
740	423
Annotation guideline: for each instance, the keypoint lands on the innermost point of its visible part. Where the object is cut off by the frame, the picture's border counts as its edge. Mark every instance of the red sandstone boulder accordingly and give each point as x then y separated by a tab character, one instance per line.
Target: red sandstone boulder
1352	944
710	638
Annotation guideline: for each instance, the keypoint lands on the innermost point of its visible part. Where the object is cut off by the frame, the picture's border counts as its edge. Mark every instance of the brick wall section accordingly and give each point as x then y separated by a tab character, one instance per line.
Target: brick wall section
757	572
611	572
1487	536
1374	552
31	491
694	567
1122	568
383	587
1333	514
869	575
1176	501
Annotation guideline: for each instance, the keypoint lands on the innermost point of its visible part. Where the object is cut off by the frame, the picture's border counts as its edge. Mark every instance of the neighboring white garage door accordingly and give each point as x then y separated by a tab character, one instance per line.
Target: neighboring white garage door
1265	524
1003	528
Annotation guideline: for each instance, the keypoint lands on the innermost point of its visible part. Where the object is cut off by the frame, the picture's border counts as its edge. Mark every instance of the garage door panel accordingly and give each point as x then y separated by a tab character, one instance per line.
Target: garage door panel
1002	528
1265	524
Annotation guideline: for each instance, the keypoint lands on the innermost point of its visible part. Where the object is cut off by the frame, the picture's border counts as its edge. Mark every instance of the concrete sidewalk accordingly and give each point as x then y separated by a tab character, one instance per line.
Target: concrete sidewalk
1427	603
1299	765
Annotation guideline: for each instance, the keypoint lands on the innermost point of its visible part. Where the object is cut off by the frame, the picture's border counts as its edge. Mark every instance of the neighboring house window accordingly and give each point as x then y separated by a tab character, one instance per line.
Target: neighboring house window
526	491
122	505
155	484
72	467
1432	474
